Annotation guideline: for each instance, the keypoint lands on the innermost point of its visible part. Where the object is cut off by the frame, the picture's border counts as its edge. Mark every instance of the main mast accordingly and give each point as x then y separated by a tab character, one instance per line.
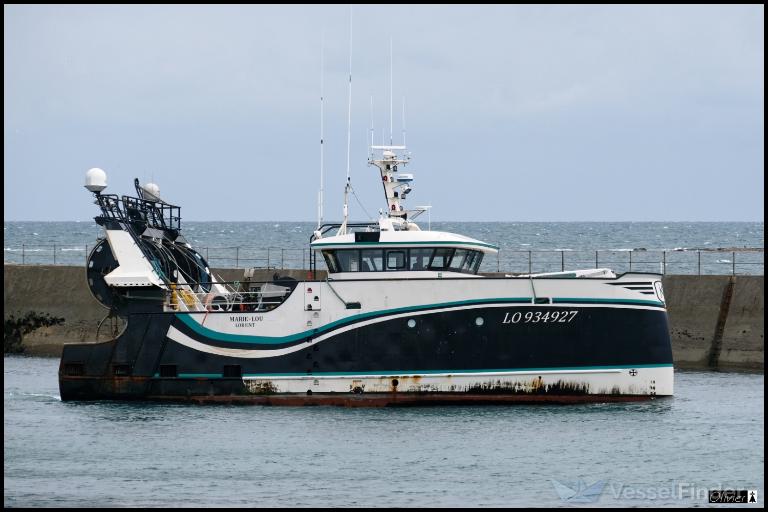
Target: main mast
397	185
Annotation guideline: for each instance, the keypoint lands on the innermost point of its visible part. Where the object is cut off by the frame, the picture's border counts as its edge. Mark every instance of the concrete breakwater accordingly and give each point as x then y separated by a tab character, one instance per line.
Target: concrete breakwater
716	322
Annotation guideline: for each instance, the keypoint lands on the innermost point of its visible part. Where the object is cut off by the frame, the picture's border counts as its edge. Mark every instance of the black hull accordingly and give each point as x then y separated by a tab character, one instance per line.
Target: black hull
143	363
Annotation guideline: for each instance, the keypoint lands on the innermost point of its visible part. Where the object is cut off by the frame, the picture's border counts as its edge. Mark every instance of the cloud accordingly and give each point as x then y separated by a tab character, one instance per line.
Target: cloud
228	91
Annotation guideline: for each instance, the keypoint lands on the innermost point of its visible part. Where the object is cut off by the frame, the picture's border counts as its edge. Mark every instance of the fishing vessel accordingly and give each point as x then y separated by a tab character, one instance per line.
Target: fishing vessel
403	316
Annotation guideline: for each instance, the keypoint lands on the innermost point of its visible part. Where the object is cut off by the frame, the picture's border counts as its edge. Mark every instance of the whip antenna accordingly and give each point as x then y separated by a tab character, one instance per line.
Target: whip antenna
370	149
404	121
391	72
322	170
343	228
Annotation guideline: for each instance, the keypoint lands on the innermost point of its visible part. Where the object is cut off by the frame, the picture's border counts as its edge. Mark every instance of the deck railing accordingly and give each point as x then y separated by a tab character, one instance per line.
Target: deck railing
729	261
237	296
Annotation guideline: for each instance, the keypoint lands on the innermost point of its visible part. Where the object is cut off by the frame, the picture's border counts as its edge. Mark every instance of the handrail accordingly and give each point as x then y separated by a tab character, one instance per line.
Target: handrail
233	299
702	261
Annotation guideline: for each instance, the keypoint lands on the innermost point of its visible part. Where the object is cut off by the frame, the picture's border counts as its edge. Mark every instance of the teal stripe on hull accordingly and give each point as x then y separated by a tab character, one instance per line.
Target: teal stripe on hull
274	340
423	372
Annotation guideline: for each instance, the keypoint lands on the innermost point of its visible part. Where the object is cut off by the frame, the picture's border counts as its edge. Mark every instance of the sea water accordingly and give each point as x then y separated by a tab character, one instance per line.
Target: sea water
665	452
669	247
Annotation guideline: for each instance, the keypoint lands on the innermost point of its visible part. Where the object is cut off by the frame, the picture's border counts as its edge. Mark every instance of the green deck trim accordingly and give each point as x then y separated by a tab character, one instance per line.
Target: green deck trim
457	242
561	300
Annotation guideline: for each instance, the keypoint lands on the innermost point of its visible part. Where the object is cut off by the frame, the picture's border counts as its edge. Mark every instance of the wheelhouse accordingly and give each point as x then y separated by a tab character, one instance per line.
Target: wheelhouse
381	253
401	259
395	246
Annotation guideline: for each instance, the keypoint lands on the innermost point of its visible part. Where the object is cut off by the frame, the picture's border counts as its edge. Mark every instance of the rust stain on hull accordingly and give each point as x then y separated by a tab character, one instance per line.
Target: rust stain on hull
401	399
260	387
400	391
534	387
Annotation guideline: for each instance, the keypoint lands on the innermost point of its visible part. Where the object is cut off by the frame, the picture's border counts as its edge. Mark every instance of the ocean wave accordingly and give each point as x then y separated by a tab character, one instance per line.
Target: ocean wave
45	397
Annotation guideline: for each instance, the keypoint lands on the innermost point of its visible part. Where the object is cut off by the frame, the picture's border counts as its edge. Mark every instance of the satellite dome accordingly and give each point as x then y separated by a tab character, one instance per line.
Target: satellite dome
95	180
152	191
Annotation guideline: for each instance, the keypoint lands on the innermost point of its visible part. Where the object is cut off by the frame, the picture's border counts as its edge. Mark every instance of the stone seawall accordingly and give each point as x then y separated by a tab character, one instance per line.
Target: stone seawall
716	322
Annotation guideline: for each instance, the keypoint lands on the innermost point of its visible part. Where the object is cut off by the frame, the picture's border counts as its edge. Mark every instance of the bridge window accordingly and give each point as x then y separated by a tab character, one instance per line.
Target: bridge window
441	259
372	260
331	262
476	262
348	260
465	260
459	259
396	260
415	259
420	258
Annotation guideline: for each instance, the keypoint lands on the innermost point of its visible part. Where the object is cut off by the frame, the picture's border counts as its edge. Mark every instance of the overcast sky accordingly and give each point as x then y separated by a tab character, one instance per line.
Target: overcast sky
513	113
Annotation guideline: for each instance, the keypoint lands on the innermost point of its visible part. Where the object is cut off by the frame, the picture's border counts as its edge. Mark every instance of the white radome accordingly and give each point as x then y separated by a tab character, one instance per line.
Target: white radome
152	190
95	180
